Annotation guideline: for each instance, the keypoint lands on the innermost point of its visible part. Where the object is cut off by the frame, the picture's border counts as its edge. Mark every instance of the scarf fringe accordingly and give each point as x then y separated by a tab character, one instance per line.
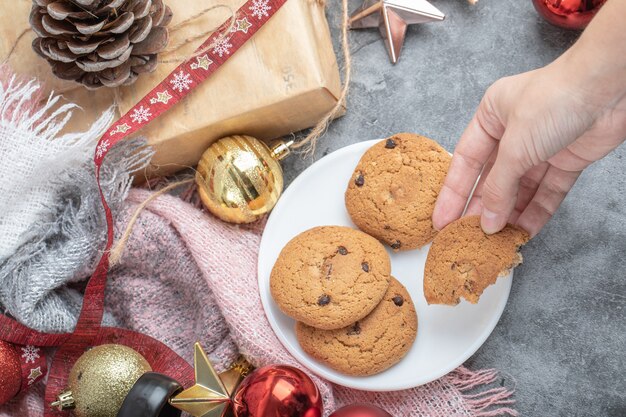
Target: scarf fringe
489	402
64	227
18	108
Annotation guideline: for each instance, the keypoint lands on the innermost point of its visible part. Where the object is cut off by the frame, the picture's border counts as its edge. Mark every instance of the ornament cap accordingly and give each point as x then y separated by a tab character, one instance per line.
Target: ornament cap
280	149
232	377
65	401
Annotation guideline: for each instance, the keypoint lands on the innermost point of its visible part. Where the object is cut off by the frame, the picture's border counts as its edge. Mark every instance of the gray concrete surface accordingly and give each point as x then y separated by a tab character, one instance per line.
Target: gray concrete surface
562	339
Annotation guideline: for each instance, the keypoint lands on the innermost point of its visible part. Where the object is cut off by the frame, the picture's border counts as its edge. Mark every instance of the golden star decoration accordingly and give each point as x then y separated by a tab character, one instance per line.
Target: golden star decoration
162	97
34	374
392	17
208	397
202	62
123	128
243	25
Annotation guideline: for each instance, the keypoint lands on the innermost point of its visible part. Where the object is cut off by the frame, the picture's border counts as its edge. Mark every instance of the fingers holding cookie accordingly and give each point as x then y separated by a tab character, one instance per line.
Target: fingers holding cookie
463	260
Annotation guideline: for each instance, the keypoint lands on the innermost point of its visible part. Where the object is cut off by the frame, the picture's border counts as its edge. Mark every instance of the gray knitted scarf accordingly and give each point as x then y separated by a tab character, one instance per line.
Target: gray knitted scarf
51	217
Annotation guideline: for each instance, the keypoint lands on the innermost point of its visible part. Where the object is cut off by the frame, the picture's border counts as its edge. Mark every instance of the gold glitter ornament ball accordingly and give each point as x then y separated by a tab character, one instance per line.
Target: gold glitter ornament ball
240	179
100	380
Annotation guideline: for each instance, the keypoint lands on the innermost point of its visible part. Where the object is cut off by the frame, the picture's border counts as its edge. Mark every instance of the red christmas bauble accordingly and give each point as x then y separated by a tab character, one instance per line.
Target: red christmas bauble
10	372
569	14
277	391
360	410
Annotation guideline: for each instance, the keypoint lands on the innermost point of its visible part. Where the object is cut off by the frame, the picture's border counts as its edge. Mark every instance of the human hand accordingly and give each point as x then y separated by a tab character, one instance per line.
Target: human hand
531	137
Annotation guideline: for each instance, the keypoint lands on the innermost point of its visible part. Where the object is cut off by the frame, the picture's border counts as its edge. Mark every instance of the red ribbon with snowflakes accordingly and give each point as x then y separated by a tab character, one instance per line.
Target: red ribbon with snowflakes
210	56
33	363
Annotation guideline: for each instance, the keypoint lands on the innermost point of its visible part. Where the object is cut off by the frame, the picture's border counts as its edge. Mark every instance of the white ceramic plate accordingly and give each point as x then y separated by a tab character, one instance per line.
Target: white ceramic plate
446	336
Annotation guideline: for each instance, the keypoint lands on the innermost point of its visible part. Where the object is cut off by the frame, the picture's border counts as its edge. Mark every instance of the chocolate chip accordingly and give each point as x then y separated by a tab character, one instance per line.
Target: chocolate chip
453	266
386	227
396	245
359	181
398	300
342	250
390	144
355	329
323	300
365	266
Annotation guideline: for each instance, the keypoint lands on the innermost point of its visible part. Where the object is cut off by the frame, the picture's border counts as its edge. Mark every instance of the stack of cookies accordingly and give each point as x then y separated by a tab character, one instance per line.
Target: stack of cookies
336	281
352	314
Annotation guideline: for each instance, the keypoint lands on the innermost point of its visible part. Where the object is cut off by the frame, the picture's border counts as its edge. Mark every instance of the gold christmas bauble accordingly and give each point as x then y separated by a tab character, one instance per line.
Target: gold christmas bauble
100	380
240	179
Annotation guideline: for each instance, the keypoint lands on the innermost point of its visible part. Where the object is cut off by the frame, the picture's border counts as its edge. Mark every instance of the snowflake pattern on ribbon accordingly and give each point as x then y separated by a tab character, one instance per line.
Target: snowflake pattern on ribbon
162	97
142	114
30	354
181	81
222	47
260	8
102	148
123	128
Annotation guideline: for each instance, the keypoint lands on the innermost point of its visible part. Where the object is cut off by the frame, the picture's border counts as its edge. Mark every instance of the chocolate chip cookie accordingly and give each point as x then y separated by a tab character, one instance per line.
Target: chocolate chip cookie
393	190
329	277
463	260
368	346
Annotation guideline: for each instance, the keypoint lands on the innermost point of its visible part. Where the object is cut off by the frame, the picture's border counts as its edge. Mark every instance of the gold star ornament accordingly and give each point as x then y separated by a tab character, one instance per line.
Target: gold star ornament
243	25
34	374
392	17
210	396
202	62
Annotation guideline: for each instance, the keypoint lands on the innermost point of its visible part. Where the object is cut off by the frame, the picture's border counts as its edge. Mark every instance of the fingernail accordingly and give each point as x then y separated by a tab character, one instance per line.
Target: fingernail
491	222
436	226
436	219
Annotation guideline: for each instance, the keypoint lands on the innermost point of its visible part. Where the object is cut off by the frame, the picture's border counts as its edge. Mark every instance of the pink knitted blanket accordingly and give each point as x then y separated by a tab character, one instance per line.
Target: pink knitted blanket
186	276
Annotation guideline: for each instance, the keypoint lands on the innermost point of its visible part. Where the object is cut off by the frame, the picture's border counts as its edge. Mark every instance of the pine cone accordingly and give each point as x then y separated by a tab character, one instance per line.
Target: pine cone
100	42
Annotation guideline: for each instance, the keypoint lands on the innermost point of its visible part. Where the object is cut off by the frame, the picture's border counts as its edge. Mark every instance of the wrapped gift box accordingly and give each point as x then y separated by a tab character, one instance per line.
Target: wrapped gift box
282	80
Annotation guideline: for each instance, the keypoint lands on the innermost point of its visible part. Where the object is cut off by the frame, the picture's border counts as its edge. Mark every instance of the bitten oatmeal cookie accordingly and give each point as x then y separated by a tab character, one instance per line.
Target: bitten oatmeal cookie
393	190
370	345
329	277
463	260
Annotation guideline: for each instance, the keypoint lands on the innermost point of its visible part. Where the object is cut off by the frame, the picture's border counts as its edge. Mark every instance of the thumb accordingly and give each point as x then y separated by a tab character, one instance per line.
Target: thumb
499	193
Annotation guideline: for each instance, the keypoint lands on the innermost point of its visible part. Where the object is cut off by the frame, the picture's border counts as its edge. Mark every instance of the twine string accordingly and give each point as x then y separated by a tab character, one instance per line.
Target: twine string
309	143
117	99
202	35
116	251
14	46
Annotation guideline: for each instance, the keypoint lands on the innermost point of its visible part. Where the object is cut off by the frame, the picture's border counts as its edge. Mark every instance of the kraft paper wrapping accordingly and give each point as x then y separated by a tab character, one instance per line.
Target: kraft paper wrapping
283	80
